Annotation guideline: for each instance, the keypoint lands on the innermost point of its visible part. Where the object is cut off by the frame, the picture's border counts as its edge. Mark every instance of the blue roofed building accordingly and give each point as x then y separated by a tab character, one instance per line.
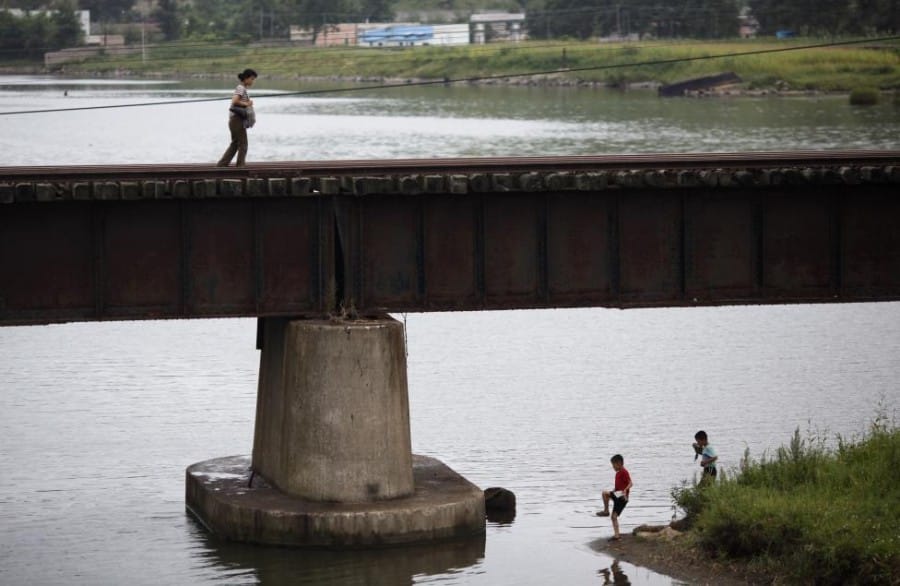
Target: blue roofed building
414	35
397	36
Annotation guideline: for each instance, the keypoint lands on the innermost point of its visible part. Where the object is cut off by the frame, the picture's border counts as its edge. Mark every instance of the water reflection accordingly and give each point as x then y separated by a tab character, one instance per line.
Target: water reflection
614	574
250	564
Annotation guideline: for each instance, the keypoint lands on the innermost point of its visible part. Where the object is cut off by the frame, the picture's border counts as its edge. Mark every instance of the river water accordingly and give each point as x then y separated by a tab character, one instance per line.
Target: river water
100	420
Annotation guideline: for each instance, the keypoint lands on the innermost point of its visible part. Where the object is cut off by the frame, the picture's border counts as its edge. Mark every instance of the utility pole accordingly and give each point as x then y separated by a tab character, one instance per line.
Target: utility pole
144	34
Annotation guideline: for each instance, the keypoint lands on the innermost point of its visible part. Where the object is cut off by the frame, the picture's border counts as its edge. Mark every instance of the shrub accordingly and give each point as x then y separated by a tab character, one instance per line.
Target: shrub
742	523
691	500
864	96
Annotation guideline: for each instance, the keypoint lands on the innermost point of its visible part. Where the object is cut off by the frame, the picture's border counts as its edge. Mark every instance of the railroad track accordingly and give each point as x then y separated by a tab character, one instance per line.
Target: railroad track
750	161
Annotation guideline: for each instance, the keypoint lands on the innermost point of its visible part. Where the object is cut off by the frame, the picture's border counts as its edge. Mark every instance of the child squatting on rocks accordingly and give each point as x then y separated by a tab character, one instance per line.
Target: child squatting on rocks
618	495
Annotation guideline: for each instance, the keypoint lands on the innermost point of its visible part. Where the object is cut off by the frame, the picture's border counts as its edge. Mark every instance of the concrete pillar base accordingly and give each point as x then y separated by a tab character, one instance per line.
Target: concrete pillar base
443	505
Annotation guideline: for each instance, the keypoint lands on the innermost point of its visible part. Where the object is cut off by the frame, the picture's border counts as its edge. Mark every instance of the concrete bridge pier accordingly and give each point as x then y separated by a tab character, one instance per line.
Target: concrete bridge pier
332	464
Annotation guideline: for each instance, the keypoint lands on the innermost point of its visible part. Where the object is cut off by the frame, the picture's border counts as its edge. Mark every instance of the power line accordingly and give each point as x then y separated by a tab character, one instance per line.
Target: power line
476	78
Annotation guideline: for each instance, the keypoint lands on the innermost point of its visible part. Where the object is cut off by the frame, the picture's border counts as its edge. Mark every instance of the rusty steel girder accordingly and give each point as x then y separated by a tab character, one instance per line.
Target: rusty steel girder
312	239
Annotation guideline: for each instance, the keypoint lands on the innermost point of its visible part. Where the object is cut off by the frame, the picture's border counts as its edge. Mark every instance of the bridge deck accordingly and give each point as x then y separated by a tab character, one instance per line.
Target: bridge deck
137	242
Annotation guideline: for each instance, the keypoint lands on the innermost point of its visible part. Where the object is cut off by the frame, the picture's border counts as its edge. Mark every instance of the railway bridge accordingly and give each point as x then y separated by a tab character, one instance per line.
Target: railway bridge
322	251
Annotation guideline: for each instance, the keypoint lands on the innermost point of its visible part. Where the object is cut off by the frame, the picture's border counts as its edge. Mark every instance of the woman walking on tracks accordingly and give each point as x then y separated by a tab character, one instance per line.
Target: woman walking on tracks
240	118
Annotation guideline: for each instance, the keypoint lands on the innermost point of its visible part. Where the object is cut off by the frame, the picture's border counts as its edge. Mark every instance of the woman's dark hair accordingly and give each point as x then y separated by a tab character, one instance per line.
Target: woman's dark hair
246	73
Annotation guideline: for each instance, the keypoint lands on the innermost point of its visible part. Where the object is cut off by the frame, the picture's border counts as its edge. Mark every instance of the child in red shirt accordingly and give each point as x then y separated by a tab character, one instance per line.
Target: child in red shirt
618	495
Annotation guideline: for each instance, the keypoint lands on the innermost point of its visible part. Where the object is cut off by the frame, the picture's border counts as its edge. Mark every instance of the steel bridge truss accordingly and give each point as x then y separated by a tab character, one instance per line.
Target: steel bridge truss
365	237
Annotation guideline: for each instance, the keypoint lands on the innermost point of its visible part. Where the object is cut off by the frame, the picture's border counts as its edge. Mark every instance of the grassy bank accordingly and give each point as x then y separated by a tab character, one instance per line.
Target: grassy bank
823	516
839	68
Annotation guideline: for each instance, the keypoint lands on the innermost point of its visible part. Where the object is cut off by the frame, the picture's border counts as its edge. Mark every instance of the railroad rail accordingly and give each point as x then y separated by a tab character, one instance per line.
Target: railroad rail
584	163
480	175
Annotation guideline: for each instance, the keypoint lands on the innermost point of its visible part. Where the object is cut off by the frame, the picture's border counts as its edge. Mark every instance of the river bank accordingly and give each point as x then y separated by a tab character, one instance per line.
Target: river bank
818	510
763	65
784	518
735	90
671	554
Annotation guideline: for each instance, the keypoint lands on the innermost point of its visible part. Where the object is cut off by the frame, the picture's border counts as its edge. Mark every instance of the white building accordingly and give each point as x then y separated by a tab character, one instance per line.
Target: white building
497	26
451	34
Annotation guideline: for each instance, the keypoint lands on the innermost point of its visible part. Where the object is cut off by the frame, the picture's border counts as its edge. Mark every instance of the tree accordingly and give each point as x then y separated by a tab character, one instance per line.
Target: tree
376	10
24	4
567	18
209	19
65	29
877	16
707	19
168	15
107	10
36	32
658	18
29	35
826	17
316	14
12	34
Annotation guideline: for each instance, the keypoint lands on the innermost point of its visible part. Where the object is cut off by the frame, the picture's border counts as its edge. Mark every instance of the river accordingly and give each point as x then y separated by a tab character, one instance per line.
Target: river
100	419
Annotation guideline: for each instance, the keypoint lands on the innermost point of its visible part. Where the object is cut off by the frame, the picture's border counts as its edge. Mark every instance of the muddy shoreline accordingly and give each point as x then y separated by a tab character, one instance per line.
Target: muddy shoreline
670	552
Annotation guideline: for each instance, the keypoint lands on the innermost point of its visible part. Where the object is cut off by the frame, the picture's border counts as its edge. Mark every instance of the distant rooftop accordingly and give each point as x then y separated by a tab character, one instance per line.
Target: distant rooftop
398	33
497	17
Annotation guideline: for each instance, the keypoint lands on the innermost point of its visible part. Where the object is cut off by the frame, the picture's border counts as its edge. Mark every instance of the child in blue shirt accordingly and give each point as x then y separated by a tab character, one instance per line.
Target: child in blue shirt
707	454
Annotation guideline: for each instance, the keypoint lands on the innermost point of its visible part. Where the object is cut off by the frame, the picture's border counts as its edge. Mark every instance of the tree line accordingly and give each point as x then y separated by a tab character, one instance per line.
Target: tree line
28	35
827	17
580	19
654	18
710	18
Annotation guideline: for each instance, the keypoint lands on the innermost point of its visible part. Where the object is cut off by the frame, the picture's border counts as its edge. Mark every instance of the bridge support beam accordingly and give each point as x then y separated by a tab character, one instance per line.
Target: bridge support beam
332	463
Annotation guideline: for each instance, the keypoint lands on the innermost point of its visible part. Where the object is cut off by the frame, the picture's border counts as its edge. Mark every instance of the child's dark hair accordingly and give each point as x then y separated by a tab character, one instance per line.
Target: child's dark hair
246	73
617	459
700	435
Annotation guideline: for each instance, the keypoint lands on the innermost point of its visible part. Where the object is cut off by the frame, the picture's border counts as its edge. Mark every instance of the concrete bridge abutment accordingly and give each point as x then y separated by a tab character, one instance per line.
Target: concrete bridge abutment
332	463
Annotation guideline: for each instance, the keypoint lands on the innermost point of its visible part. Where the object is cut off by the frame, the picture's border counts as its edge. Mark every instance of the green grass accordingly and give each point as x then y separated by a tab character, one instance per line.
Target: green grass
819	515
829	69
